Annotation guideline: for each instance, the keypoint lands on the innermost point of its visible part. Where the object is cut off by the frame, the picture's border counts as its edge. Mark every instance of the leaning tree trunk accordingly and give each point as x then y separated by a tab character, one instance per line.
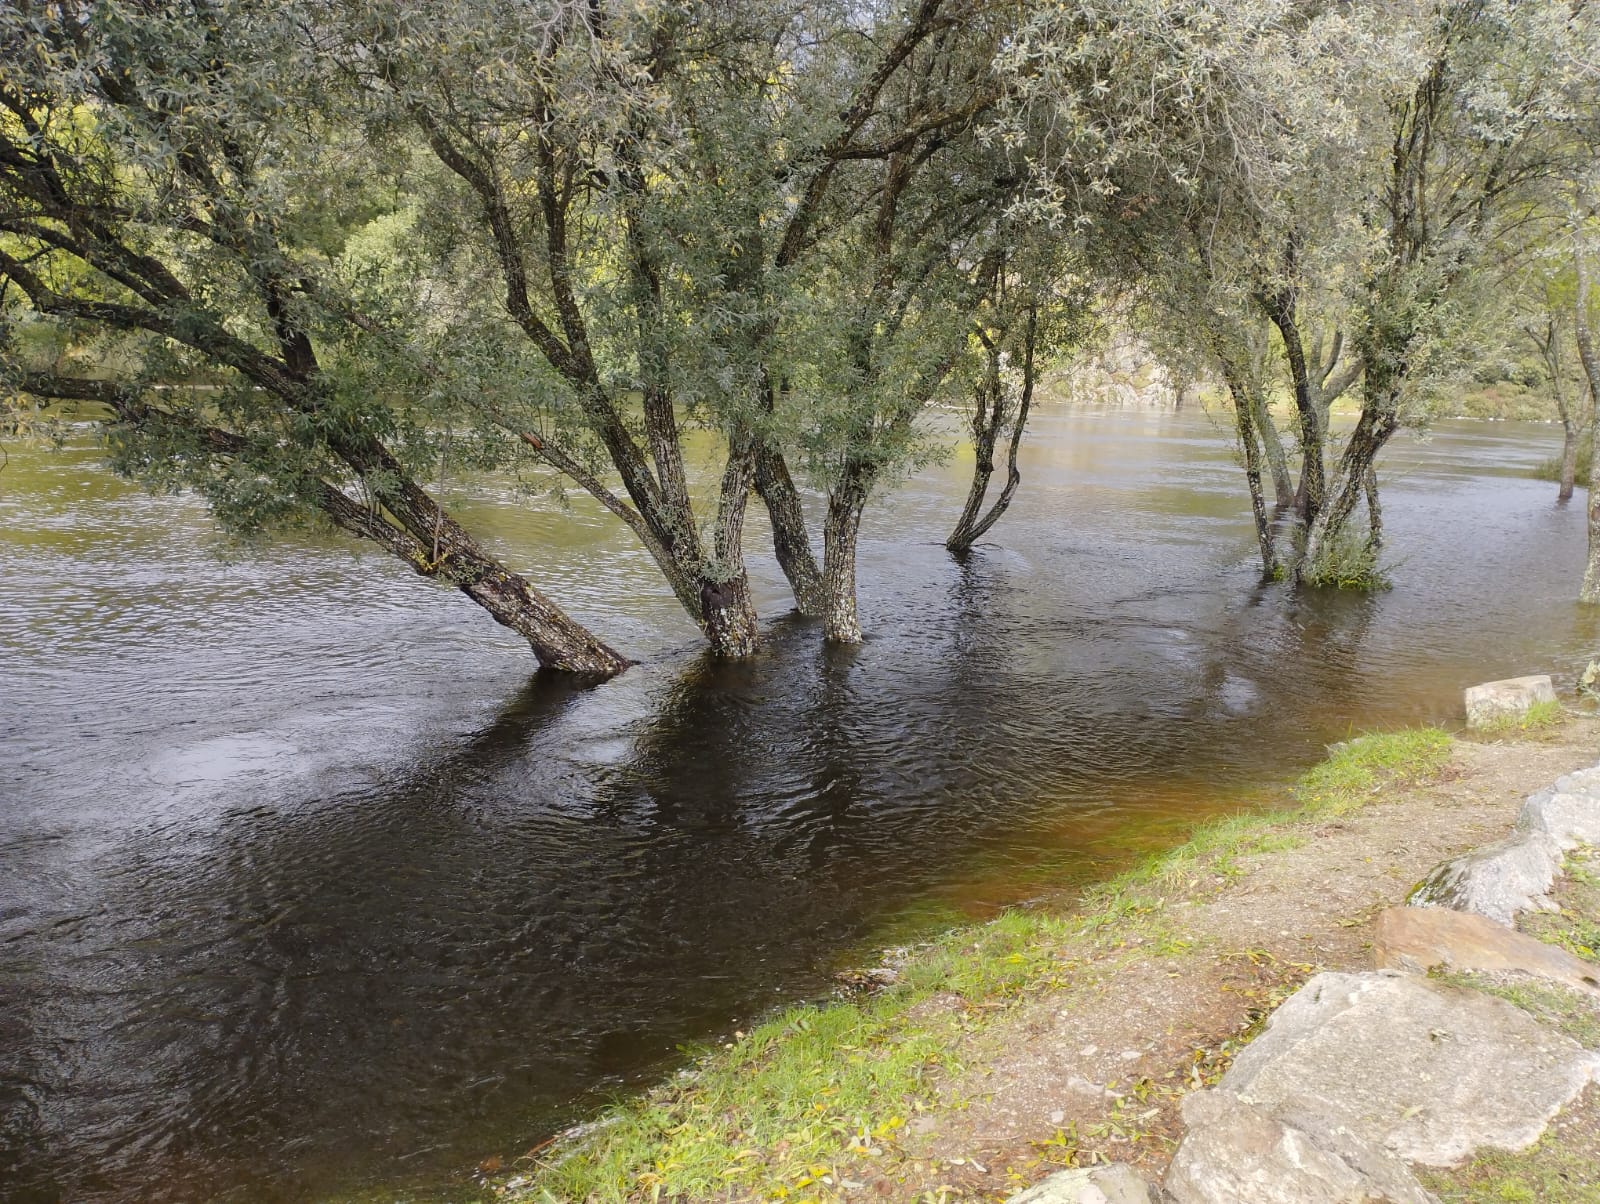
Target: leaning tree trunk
438	547
1283	490
1354	481
790	540
985	434
1590	593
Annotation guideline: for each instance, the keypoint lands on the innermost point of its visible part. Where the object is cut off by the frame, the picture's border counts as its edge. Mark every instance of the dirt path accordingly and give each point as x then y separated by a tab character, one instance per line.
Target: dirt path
1095	1069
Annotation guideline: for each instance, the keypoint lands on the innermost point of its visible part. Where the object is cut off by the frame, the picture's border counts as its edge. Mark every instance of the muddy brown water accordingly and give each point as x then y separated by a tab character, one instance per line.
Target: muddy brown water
307	887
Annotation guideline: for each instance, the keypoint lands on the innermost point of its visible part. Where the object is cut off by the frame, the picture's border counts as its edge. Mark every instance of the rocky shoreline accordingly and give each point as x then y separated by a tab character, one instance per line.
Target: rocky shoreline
1361	1078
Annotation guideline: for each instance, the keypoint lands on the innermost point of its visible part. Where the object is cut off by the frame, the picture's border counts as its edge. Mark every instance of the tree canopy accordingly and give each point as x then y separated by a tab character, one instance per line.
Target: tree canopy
308	257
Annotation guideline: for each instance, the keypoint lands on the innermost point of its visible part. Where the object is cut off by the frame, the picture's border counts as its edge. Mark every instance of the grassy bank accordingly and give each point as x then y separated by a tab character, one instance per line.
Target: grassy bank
795	1107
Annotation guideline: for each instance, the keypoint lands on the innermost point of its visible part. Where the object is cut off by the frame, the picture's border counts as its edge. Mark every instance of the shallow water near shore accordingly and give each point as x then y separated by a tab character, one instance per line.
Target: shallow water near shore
306	886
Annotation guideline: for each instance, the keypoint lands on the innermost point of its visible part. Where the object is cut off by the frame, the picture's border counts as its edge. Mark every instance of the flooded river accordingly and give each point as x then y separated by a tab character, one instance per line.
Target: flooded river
306	886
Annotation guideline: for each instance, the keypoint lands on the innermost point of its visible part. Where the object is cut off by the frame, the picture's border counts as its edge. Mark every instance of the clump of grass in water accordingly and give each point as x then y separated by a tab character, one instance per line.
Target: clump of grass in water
1349	563
823	1086
1550	470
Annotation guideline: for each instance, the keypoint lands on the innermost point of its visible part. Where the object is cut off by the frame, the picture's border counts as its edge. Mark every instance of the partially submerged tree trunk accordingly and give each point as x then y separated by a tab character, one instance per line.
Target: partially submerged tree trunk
403	519
988	419
1584	335
790	539
1247	404
1283	487
1354	481
840	623
1548	341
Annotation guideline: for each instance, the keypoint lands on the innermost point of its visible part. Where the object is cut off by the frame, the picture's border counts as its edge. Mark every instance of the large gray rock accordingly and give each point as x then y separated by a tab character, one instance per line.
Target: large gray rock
1420	938
1497	880
1234	1153
1425	1072
1508	699
1580	781
1568	817
1110	1184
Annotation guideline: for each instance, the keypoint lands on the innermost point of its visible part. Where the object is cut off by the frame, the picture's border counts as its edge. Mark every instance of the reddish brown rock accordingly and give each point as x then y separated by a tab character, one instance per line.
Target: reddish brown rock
1420	938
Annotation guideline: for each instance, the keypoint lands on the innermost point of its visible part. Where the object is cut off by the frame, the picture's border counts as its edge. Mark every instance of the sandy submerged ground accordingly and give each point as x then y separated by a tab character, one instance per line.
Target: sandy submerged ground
1094	1070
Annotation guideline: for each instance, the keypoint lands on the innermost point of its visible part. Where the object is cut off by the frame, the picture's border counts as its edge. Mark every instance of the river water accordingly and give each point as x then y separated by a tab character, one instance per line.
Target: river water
307	887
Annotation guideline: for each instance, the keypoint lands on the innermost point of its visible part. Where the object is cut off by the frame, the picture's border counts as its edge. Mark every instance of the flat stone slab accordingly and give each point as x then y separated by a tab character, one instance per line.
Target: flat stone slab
1424	1072
1114	1183
1420	938
1234	1153
1497	880
1509	698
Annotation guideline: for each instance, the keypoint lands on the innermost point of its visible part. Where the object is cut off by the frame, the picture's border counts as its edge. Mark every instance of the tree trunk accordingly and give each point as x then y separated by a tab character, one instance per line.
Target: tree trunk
1283	490
1244	417
986	426
1355	480
1590	593
790	539
728	617
1311	497
985	434
841	625
727	613
1569	458
1374	512
451	555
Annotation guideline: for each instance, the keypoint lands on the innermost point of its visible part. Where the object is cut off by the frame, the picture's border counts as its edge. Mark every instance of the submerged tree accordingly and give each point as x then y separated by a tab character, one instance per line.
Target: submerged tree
1589	358
1346	170
695	216
1032	306
174	192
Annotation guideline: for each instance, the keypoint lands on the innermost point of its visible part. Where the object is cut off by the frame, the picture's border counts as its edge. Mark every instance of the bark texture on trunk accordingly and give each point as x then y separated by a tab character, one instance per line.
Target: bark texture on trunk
728	617
1311	496
1569	460
1283	488
790	539
1355	480
447	553
727	612
1245	413
840	623
1374	513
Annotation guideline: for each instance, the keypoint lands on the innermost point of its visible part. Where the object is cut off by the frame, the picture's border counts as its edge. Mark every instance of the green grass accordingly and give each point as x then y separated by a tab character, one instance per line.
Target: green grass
1348	563
1560	1007
1576	926
827	1086
1539	717
1556	1170
1550	469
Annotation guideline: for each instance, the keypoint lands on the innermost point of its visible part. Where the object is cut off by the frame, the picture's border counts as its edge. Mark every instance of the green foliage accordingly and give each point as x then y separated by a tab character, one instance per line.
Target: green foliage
1347	562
